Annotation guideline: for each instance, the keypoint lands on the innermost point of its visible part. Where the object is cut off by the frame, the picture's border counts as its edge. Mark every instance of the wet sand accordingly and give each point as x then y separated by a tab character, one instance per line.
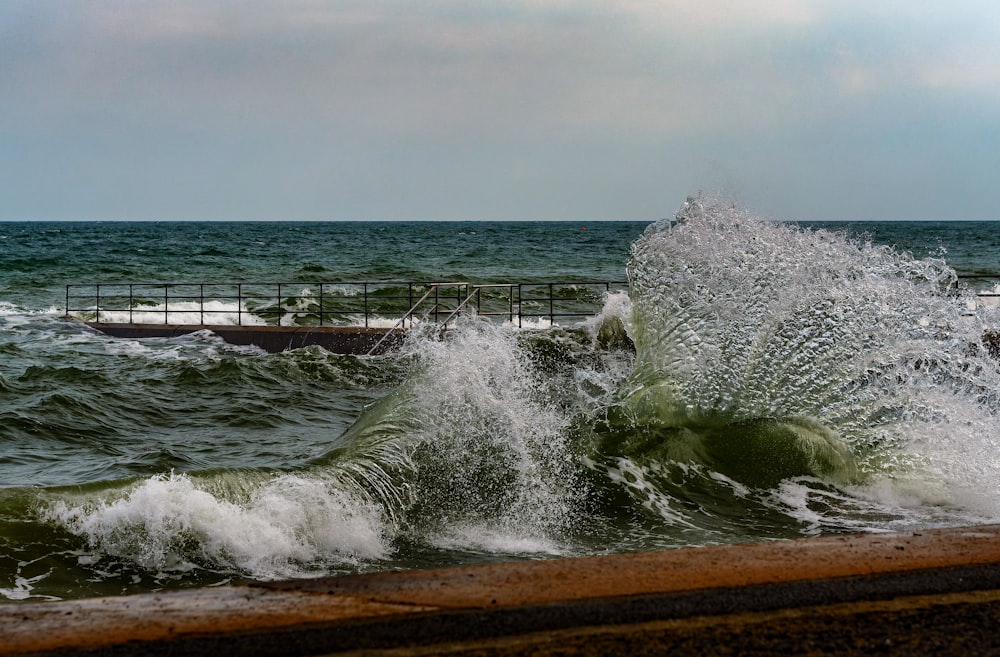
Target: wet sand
928	592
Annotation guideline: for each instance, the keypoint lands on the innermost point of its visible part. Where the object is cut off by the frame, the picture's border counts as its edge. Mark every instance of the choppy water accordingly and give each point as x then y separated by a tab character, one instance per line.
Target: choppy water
785	381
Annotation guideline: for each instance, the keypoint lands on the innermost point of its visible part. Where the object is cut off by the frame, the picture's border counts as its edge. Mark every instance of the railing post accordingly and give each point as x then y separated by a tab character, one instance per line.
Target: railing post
201	303
321	304
520	304
131	303
166	303
366	304
409	293
239	304
97	302
551	308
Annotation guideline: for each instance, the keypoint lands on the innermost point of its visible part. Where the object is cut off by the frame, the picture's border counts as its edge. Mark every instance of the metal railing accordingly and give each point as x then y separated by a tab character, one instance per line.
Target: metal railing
984	285
368	303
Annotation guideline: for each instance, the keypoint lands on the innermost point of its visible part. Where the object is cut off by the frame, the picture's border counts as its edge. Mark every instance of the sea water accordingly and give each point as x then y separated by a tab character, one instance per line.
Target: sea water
760	380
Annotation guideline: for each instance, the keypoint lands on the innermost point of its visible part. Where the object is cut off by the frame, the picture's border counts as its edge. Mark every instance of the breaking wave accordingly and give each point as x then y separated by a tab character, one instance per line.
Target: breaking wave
759	381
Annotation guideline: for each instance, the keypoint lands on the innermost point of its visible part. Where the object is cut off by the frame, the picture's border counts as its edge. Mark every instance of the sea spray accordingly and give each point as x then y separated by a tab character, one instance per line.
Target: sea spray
480	441
766	352
496	452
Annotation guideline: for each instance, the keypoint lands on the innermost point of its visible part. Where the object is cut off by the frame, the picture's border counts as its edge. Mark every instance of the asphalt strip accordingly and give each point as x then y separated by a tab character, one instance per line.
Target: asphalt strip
928	592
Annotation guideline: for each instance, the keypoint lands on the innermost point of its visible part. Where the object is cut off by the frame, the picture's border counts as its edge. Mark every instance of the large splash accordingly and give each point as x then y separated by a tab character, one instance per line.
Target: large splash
479	438
767	352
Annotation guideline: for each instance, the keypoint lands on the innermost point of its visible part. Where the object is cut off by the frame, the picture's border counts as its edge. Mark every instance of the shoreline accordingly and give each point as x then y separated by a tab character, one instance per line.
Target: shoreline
832	592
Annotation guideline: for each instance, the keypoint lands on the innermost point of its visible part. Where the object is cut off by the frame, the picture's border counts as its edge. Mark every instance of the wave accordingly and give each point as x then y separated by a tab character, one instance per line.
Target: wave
759	381
470	454
282	526
768	352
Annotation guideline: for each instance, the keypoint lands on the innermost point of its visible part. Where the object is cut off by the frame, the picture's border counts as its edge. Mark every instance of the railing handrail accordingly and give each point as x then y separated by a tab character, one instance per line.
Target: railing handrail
345	301
409	313
465	301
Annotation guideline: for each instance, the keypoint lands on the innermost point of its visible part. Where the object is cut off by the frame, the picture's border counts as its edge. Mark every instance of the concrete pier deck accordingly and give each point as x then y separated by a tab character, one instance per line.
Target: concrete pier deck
919	593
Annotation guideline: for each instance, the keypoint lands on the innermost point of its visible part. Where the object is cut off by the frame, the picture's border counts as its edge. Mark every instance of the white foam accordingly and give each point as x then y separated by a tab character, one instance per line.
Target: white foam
641	482
23	587
989	300
490	539
375	321
8	308
201	344
282	528
490	443
217	313
15	315
534	323
889	503
139	349
617	306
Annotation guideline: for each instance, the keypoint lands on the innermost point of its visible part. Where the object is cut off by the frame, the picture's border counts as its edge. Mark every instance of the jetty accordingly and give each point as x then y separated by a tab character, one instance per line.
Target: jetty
358	317
367	317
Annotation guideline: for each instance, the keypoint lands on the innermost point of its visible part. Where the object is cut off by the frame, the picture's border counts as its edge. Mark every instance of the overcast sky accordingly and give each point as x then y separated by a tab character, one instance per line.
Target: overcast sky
540	109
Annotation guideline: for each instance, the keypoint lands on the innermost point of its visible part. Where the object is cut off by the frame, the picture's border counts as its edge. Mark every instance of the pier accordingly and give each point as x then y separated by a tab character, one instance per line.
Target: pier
359	318
367	317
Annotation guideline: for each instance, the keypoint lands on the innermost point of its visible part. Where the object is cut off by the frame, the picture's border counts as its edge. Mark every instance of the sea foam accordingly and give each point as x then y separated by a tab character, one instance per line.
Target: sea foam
169	523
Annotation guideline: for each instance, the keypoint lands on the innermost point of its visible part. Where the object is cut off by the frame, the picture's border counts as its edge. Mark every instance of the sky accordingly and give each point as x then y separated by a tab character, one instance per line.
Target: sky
531	110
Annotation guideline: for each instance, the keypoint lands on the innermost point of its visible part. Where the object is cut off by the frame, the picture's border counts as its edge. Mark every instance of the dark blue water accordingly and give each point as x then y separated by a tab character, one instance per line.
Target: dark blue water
38	259
970	247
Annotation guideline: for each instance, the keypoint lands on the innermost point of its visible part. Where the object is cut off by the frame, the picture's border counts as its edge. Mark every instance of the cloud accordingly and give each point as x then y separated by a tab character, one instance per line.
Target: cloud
636	66
497	94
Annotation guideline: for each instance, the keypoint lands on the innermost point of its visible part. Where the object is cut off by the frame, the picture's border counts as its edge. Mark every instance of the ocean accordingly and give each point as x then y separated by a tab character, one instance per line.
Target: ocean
759	380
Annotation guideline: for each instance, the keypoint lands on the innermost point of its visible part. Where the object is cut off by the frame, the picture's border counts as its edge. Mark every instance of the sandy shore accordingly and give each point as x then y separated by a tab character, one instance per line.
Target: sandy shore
928	592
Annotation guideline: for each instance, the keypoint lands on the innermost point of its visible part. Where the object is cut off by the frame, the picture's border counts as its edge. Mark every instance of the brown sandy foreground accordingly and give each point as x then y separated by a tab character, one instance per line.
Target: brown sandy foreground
921	593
